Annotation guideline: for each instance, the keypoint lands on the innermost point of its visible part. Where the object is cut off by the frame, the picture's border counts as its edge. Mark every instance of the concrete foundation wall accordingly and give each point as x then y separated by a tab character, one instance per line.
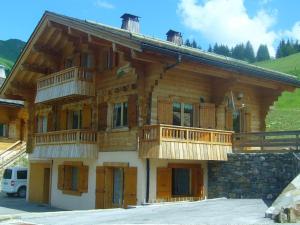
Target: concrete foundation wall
252	175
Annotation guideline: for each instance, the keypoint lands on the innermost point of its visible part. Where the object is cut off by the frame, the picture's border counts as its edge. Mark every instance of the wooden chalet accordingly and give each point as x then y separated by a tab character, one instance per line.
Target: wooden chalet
117	118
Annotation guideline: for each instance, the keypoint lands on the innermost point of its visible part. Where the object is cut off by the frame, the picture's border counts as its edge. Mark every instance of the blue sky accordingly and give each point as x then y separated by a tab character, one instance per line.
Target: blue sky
207	21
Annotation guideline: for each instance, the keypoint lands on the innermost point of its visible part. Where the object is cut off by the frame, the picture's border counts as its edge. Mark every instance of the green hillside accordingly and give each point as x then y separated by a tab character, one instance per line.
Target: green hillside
9	52
284	114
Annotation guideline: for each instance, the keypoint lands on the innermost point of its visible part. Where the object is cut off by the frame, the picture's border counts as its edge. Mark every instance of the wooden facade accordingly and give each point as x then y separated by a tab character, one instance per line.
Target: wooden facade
92	90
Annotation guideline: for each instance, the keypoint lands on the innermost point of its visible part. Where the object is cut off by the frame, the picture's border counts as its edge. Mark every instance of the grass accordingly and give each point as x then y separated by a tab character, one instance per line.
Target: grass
283	115
7	63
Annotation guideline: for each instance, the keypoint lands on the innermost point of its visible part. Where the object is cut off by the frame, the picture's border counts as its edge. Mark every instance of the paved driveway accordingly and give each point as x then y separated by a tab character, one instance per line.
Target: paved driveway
221	211
15	205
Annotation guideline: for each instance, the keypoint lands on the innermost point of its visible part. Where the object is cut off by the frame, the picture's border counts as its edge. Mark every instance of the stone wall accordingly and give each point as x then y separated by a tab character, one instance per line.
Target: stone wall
252	175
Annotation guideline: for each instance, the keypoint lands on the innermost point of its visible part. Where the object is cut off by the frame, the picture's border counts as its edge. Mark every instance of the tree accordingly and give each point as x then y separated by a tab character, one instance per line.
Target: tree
238	52
210	48
262	53
187	43
194	44
249	53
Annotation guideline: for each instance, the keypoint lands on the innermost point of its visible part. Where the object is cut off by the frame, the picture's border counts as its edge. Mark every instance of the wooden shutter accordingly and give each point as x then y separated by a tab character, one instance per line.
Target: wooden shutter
207	115
164	112
196	114
100	187
103	107
130	186
228	119
63	119
87	117
163	183
50	121
108	187
60	176
197	182
132	111
83	179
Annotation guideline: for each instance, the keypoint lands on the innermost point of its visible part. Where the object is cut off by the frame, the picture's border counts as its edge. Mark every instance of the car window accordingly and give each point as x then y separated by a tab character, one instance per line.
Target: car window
7	174
22	174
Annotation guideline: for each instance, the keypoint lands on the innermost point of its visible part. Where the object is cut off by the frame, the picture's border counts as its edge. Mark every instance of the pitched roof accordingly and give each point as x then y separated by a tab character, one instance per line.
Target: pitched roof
142	42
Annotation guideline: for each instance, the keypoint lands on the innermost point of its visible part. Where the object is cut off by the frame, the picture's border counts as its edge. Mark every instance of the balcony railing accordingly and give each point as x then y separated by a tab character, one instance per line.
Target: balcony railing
277	140
175	142
66	137
73	81
67	75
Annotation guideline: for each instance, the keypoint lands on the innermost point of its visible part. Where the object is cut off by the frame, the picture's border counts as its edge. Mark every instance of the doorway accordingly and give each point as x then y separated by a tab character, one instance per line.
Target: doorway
118	178
46	187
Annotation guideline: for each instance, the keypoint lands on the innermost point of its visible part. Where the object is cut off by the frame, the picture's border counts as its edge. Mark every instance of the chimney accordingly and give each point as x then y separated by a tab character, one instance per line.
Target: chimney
130	23
175	37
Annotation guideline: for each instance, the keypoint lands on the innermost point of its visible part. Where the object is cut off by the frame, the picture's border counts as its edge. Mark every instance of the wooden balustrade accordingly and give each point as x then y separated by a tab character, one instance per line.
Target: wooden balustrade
66	137
267	140
185	134
67	75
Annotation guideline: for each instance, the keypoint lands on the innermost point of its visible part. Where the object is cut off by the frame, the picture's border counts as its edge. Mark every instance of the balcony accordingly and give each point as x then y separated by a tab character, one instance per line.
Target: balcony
70	82
66	144
174	142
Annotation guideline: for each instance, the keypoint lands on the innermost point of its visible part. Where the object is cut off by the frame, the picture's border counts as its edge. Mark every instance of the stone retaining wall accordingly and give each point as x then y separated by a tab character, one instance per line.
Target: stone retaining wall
252	175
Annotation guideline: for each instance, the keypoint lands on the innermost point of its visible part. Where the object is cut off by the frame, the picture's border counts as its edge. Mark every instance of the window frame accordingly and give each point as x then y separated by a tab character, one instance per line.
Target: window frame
122	114
182	112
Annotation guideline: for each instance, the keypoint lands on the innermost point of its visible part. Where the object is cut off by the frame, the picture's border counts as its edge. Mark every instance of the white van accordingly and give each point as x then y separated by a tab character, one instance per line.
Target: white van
14	181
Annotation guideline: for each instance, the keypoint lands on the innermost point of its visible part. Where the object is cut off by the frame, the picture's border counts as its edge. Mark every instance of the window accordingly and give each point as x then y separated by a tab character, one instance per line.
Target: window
7	174
42	122
69	62
22	174
73	178
181	182
182	114
120	115
236	120
3	130
75	119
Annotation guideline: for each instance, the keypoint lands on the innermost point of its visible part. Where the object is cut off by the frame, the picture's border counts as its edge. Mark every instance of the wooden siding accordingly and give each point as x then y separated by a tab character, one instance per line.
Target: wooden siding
173	142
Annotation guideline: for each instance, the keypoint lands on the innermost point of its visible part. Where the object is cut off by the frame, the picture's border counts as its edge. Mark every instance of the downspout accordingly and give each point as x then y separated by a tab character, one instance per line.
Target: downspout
147	179
168	67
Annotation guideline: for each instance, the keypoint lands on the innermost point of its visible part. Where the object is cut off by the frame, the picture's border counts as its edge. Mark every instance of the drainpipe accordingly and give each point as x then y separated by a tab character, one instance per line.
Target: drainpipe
147	179
179	60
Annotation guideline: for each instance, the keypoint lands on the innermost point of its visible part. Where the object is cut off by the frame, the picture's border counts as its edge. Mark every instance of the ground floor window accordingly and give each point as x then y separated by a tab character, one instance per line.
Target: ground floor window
73	178
3	130
181	182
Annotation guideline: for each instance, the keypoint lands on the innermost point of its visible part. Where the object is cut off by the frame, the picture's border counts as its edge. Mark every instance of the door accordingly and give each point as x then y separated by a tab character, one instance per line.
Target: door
117	195
46	191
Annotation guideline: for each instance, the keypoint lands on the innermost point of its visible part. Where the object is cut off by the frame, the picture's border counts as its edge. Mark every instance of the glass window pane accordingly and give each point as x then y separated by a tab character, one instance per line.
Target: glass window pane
236	122
118	186
75	120
7	174
22	174
117	115
125	114
181	182
188	115
1	129
74	178
176	114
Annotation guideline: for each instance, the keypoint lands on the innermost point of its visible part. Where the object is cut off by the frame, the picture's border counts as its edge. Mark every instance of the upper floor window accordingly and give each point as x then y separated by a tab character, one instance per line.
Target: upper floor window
69	62
75	119
3	130
120	115
182	114
42	122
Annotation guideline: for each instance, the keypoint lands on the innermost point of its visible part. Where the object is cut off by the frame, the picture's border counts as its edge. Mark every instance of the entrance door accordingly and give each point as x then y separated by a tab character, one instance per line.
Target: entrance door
46	191
118	176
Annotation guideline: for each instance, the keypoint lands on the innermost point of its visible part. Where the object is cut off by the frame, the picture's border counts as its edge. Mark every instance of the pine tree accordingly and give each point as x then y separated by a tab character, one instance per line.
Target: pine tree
187	43
262	53
238	52
194	44
210	48
249	53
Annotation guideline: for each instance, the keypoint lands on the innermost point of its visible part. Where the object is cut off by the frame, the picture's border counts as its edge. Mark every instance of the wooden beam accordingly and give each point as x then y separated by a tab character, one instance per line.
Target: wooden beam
45	49
36	68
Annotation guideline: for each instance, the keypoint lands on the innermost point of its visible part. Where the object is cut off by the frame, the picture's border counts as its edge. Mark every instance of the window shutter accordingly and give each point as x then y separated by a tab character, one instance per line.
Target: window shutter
196	115
228	119
207	115
50	122
163	182
103	107
60	181
197	182
87	117
132	110
100	187
63	119
164	112
130	186
83	179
